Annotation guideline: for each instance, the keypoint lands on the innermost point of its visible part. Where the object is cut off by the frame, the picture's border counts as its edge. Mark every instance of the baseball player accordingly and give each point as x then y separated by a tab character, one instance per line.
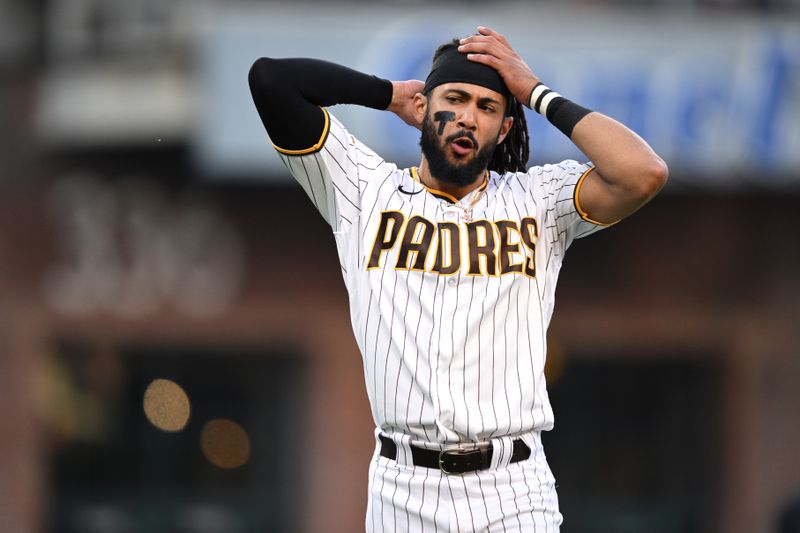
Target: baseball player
451	267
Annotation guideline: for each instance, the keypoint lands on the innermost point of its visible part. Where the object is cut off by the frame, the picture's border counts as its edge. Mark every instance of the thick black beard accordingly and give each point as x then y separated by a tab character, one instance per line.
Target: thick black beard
438	165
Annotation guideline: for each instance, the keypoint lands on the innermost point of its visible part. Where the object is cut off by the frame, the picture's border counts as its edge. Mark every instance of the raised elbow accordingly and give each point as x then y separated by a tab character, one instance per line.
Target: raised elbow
654	177
263	73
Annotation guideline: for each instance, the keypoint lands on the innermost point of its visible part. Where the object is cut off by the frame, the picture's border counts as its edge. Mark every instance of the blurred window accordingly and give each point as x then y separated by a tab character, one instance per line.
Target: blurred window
232	469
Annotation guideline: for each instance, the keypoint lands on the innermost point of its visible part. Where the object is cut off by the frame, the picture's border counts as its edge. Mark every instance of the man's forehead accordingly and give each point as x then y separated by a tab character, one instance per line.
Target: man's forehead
475	91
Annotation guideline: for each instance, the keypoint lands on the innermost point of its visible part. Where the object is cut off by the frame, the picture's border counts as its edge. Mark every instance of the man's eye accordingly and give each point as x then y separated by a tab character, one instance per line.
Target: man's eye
452	99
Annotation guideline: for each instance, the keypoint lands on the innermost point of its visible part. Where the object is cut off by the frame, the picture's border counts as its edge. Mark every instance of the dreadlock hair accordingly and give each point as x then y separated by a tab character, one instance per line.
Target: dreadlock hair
512	154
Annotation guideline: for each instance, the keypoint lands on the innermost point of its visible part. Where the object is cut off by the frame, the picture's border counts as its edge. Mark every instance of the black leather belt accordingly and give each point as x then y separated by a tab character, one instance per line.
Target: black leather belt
453	461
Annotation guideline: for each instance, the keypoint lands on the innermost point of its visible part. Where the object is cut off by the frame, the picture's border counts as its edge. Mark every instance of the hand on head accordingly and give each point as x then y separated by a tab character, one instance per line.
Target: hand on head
490	48
403	101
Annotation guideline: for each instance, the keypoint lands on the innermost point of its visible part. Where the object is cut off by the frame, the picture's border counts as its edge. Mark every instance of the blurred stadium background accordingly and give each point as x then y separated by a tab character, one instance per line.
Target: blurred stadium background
175	348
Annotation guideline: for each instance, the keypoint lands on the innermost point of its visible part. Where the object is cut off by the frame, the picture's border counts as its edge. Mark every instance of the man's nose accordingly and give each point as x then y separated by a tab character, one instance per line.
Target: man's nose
466	119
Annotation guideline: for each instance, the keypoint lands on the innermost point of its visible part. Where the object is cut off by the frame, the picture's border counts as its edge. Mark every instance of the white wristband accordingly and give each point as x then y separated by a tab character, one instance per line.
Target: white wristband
541	96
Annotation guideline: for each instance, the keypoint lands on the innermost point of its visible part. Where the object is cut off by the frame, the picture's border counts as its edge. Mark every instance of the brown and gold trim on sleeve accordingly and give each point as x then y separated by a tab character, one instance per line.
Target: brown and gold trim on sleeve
576	198
317	147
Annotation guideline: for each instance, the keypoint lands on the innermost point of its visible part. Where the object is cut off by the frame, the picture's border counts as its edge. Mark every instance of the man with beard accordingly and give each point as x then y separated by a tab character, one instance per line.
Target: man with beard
451	267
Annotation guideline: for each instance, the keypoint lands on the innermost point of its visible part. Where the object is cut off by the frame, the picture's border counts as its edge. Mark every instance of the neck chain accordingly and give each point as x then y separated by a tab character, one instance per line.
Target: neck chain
467	209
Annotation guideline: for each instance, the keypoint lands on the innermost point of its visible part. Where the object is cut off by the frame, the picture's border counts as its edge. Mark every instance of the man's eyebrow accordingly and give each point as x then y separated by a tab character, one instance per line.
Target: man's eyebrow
467	94
460	92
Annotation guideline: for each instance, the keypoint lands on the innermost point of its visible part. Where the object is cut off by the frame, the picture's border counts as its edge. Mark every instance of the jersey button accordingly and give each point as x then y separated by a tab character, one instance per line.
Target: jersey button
452	282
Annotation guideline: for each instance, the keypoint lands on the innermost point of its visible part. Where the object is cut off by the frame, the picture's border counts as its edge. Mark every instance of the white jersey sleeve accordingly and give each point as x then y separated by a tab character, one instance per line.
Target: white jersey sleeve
560	185
333	172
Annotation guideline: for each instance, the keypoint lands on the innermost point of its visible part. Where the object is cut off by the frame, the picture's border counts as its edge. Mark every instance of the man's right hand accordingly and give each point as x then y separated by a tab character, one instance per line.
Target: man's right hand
492	49
403	99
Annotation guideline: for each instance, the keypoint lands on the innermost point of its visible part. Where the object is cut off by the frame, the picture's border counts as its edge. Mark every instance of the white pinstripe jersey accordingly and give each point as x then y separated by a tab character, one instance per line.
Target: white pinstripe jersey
450	314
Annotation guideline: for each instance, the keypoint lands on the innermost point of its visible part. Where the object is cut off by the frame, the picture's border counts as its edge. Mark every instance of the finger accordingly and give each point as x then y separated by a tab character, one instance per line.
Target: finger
482	48
476	38
484	59
490	40
480	39
485	30
490	32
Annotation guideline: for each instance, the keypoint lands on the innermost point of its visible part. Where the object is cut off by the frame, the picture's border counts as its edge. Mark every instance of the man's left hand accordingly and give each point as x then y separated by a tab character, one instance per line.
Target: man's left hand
492	49
402	105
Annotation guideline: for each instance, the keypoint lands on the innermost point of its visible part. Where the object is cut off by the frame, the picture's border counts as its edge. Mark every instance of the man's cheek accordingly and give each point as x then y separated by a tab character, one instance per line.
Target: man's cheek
443	117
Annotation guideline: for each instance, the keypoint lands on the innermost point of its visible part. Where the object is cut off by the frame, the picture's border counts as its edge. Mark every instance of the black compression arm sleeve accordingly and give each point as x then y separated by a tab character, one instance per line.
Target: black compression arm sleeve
288	94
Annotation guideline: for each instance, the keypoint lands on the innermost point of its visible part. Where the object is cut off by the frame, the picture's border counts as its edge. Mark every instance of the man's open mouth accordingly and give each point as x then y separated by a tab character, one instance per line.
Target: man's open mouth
462	145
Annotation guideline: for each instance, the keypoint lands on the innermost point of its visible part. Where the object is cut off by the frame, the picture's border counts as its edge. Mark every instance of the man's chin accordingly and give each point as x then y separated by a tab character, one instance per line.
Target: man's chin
460	159
461	165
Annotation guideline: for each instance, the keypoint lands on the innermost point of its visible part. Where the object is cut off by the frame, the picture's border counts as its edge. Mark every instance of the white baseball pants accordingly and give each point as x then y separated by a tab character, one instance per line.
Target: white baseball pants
518	497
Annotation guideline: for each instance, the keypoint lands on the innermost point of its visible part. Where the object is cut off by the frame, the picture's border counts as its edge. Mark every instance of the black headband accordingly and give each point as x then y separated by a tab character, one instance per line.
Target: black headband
453	67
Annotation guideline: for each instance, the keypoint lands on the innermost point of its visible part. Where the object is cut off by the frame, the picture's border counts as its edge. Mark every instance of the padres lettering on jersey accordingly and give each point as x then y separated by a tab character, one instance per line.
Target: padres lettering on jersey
449	307
426	246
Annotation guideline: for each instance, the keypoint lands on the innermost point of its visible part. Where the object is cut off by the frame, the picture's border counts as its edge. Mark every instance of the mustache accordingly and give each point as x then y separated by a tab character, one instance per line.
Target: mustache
463	133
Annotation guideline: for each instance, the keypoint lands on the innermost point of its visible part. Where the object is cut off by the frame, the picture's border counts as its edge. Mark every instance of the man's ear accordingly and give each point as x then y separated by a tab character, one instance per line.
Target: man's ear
505	128
420	105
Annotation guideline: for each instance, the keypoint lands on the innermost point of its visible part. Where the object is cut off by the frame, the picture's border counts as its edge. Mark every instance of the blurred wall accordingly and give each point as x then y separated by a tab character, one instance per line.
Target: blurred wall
114	233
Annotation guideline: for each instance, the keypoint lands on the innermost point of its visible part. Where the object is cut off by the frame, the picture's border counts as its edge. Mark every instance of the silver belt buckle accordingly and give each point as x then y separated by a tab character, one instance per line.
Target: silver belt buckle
448	453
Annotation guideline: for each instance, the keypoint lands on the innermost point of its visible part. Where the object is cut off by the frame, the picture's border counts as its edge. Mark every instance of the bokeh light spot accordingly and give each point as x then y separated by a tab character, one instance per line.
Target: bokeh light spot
225	443
166	405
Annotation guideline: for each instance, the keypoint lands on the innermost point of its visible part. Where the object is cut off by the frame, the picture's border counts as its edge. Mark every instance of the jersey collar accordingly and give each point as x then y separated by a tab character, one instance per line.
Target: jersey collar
443	195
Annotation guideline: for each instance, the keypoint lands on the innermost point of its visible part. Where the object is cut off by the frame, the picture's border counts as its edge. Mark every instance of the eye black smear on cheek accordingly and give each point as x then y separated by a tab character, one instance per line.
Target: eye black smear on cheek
443	117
